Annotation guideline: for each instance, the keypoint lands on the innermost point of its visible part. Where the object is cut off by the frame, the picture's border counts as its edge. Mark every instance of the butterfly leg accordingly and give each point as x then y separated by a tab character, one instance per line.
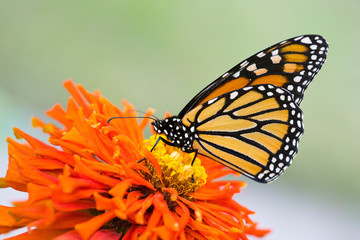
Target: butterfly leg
192	163
196	153
157	141
141	160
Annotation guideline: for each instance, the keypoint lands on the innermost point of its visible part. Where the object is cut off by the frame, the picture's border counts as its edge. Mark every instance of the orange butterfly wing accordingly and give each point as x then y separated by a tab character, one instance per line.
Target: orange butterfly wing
249	118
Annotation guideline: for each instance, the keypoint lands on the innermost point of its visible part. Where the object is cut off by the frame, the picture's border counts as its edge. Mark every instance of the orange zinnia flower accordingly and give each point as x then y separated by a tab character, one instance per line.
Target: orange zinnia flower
95	180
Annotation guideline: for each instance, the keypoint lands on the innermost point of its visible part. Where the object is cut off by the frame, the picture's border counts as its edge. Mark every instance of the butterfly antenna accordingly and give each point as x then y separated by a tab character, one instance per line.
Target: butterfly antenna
139	111
151	117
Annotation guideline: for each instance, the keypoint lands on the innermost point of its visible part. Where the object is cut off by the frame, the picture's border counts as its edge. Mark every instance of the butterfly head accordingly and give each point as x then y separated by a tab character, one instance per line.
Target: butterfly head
175	131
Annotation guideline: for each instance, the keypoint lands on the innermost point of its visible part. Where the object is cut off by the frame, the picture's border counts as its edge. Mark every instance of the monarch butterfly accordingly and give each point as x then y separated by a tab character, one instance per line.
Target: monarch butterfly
249	118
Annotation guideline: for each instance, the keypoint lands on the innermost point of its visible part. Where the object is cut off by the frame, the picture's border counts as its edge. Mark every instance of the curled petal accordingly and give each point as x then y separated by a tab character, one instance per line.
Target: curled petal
88	228
169	220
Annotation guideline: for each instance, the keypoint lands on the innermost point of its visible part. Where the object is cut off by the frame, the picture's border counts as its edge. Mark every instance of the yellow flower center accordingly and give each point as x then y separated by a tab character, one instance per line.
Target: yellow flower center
177	169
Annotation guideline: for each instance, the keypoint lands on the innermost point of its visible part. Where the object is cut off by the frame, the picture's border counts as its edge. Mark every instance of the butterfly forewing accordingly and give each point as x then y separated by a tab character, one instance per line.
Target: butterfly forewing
290	64
254	130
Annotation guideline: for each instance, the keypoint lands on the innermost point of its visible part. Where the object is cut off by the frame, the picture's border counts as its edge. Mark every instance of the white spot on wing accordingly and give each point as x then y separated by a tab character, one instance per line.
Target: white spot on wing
252	67
261	88
297	79
306	40
233	94
313	47
212	100
275	52
279	91
243	64
275	59
237	74
225	75
261	54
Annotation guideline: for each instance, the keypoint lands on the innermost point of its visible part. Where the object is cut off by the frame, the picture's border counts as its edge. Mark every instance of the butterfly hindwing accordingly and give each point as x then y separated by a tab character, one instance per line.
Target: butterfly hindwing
290	64
254	130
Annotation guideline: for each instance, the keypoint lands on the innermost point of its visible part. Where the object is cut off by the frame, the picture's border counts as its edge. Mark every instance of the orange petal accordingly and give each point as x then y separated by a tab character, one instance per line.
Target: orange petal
225	207
191	234
88	228
73	90
8	219
135	176
22	148
63	220
118	193
103	203
127	149
184	214
82	168
139	217
207	230
70	184
154	220
30	212
58	113
32	174
13	179
90	97
216	193
169	220
104	167
194	207
74	206
164	233
37	192
35	143
137	233
61	156
149	156
47	128
257	232
72	111
74	136
62	197
133	204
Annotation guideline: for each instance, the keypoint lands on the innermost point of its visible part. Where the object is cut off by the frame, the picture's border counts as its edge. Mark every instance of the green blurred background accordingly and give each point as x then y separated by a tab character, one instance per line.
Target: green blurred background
159	54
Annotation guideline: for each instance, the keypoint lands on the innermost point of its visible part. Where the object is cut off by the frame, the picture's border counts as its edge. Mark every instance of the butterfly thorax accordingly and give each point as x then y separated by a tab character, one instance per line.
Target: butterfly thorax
176	132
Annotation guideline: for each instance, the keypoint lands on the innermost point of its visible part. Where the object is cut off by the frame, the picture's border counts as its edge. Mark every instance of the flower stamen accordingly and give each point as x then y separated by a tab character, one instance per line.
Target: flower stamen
176	169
